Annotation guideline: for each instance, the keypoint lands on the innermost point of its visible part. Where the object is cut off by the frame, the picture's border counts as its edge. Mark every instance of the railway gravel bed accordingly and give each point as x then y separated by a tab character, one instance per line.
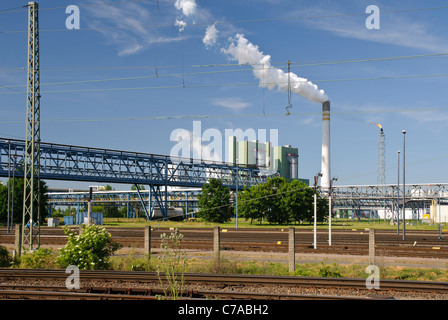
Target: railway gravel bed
225	285
425	244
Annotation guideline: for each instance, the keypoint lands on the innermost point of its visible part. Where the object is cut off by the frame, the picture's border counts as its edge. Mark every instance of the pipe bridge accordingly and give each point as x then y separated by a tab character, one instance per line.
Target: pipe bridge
389	197
75	163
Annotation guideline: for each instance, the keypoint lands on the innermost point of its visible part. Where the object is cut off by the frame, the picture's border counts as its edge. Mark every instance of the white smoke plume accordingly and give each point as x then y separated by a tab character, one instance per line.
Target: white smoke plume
188	7
210	36
181	24
245	52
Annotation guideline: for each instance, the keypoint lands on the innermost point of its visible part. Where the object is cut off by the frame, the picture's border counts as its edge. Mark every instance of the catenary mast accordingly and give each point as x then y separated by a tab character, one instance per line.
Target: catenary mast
31	192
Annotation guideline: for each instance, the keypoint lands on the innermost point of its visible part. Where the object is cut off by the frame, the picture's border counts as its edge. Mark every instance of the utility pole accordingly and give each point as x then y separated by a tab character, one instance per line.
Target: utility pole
31	194
398	194
404	186
316	180
381	156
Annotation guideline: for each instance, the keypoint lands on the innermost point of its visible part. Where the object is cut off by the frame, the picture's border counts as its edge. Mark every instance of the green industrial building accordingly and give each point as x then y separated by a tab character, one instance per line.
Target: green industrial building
281	159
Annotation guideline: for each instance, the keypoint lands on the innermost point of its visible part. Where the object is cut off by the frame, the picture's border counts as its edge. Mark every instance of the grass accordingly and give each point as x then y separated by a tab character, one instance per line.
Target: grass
337	224
225	266
46	259
135	262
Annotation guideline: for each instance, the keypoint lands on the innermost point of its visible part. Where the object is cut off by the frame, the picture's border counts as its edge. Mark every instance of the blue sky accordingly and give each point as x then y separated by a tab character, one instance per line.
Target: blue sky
326	41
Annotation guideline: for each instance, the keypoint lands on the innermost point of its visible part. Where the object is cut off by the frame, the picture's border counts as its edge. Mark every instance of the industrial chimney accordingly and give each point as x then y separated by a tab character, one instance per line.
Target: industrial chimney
325	167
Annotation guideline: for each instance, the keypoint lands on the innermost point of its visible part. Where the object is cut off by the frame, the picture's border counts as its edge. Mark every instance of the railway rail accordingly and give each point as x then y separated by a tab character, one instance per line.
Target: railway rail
424	244
39	292
138	285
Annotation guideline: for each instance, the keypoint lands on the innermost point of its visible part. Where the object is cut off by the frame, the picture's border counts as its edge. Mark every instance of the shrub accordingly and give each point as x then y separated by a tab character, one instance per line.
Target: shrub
5	258
89	251
326	272
38	259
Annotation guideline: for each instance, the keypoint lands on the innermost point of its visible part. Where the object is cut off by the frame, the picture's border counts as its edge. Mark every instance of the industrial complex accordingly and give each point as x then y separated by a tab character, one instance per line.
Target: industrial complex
186	187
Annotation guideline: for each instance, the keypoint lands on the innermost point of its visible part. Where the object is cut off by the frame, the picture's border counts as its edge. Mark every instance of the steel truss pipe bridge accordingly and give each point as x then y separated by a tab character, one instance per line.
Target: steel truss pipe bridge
132	199
356	198
159	172
390	197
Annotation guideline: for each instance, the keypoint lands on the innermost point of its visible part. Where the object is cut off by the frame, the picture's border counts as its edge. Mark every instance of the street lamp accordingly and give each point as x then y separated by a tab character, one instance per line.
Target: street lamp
398	194
9	183
404	192
316	180
236	194
329	209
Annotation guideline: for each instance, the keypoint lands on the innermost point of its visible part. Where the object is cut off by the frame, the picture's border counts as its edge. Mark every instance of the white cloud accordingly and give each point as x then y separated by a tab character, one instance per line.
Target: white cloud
233	103
394	30
188	7
128	24
181	24
210	36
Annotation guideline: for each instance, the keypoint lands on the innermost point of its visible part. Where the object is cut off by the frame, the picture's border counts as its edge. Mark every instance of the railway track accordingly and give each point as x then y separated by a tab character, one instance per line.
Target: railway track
39	292
423	244
138	285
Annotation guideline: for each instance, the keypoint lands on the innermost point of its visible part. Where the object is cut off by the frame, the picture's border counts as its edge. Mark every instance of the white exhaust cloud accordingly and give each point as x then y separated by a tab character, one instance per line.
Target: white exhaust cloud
211	34
188	7
270	77
181	24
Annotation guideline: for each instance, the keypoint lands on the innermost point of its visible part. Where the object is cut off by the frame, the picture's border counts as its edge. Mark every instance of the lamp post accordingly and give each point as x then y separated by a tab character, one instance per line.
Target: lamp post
9	184
316	179
398	195
404	192
329	209
236	194
89	205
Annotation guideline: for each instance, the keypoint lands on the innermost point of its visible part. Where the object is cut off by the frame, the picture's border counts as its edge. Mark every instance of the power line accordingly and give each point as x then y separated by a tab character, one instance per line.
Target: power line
13	10
178	117
222	84
234	21
293	65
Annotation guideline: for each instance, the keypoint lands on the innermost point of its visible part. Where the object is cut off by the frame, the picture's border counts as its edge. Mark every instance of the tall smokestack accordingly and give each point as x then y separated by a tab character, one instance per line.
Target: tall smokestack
325	167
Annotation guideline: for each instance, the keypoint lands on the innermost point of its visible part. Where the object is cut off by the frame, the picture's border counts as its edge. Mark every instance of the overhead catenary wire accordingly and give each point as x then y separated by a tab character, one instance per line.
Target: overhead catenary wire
210	116
276	65
220	84
14	10
223	71
231	22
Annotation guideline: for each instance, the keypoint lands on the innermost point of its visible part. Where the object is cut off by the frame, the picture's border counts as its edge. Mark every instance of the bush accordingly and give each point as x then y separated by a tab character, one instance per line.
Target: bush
38	259
326	272
89	251
5	258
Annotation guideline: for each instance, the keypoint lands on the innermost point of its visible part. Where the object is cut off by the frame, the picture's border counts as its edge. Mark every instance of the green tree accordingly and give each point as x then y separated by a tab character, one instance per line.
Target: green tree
322	208
17	184
249	206
264	201
275	211
214	202
281	201
3	202
297	200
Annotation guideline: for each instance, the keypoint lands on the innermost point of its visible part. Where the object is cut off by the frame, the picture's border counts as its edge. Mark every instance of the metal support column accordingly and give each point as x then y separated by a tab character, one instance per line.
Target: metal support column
31	194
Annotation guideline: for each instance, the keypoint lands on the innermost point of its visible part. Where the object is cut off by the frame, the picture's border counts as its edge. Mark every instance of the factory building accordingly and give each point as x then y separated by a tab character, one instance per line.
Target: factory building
281	159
